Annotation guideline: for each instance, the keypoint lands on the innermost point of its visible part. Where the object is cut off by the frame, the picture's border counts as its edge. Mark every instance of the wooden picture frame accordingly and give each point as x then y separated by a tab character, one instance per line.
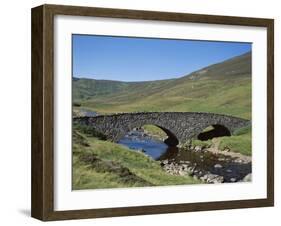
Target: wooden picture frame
43	107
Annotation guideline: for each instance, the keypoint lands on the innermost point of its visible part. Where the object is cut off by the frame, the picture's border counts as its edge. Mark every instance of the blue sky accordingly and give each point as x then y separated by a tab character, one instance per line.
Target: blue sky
146	59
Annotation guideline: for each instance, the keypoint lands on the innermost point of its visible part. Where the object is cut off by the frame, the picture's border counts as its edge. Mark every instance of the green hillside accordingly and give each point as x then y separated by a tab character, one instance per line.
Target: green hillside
103	164
220	88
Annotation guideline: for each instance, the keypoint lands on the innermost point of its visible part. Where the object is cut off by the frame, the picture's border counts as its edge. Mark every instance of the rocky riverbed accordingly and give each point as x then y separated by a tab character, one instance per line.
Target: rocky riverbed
209	166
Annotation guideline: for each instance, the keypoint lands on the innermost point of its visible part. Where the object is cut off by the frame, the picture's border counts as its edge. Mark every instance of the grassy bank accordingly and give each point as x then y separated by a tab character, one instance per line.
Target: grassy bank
241	141
103	164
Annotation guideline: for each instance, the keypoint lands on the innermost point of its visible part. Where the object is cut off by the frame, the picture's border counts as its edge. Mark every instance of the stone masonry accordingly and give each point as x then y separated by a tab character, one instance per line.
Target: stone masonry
179	126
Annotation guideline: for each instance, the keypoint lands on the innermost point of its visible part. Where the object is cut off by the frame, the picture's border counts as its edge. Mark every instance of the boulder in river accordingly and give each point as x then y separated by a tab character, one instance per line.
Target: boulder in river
218	166
247	178
212	178
233	179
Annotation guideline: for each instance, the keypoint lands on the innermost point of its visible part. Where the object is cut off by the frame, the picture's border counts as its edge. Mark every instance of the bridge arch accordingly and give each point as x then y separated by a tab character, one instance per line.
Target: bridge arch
216	130
171	139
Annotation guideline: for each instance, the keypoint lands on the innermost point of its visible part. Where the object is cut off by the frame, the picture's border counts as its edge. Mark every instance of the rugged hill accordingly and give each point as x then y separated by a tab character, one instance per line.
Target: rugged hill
220	88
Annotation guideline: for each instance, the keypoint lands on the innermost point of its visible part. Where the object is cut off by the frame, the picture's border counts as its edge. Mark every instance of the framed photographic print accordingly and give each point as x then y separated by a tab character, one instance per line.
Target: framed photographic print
141	112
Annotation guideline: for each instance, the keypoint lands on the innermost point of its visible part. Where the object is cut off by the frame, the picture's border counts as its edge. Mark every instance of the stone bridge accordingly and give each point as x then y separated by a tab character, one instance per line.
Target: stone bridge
179	126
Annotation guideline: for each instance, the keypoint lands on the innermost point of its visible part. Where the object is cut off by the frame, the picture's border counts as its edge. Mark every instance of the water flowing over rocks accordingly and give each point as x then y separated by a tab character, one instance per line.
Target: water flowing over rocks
203	162
209	167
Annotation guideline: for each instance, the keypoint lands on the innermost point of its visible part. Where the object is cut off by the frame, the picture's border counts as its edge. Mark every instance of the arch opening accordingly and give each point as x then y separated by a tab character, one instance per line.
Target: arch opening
213	131
154	132
160	133
171	139
153	140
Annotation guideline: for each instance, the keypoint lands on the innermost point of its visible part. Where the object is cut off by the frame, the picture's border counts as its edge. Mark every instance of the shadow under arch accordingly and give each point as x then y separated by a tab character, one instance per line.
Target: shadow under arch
217	131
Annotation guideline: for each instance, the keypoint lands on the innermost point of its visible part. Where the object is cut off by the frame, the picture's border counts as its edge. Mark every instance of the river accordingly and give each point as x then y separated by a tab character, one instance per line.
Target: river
228	169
